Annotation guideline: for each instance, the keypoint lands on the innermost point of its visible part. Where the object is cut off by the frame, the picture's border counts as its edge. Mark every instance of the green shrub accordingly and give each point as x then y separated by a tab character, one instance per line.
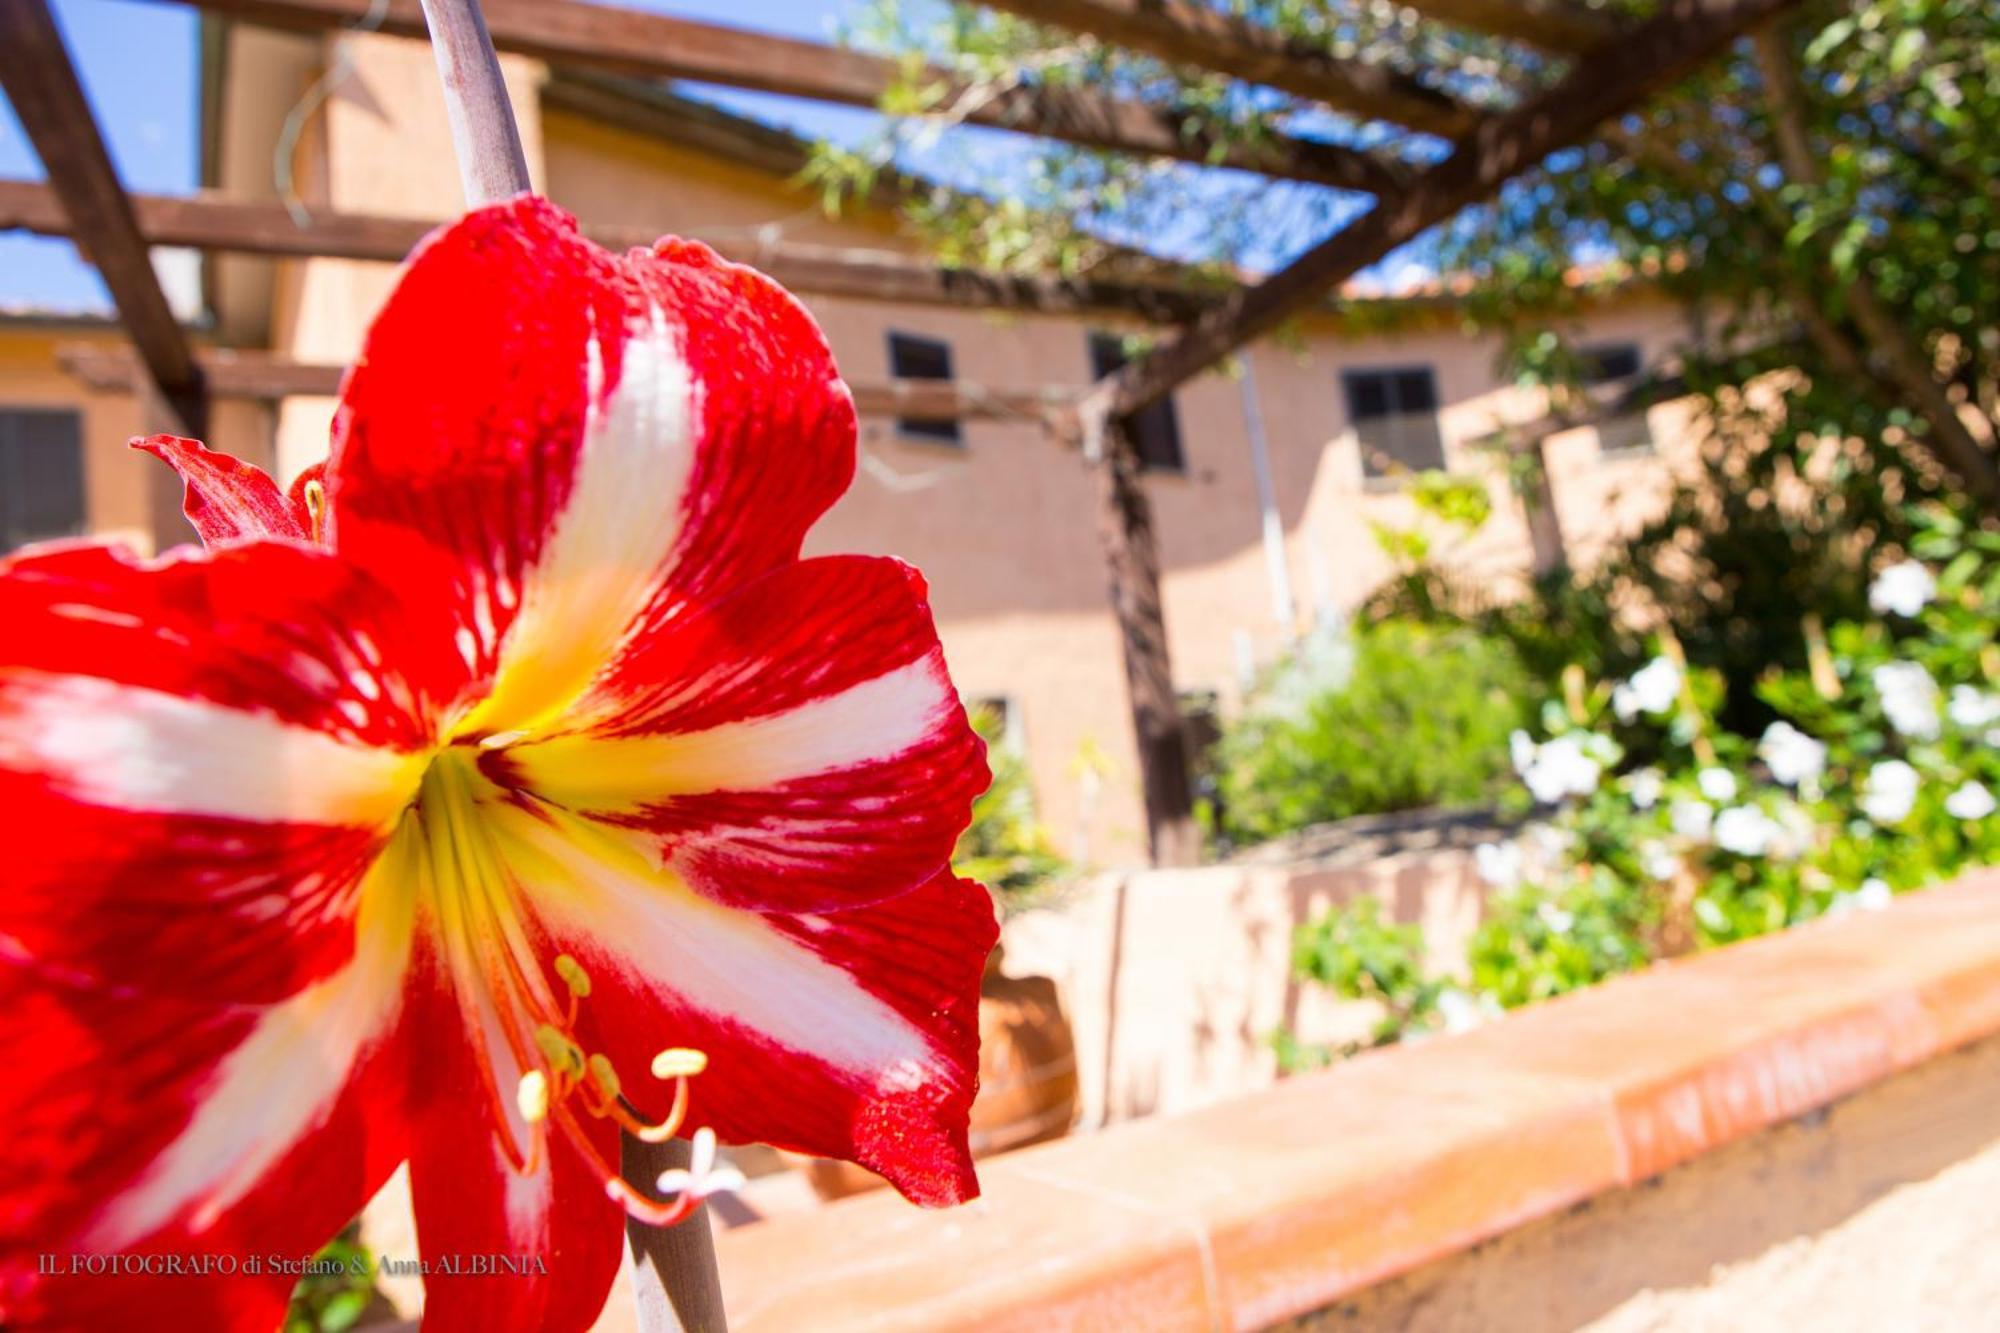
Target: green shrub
1393	716
1005	847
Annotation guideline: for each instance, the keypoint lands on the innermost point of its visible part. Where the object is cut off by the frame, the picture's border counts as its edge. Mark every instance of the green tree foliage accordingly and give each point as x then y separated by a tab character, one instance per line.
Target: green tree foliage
1821	202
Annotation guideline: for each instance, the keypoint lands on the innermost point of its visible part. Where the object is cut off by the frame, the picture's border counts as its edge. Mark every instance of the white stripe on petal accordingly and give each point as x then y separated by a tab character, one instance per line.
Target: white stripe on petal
591	883
874	721
611	541
279	1084
133	748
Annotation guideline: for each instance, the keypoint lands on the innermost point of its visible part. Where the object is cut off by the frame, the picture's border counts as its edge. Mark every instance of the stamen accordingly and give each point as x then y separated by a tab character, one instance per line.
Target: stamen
532	1097
315	498
573	976
606	1076
679	1062
564	1055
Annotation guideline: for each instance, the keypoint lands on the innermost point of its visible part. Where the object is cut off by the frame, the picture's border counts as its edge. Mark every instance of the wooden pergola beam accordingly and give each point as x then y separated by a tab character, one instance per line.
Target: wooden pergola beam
1554	25
218	223
265	377
635	44
46	95
1614	77
1183	32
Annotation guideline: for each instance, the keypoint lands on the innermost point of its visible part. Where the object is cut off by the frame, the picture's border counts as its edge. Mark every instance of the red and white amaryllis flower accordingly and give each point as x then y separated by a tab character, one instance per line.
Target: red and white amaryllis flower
458	807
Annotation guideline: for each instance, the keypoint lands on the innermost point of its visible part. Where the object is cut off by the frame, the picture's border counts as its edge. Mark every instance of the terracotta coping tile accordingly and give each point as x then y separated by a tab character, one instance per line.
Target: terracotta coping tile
1279	1203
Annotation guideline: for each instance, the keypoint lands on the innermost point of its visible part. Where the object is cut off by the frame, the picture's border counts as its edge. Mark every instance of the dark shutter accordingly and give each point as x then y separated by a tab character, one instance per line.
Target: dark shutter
915	358
1394	415
1156	428
41	476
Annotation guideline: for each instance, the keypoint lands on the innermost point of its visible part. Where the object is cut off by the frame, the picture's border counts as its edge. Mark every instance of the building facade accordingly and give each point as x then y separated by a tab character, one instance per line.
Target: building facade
1000	518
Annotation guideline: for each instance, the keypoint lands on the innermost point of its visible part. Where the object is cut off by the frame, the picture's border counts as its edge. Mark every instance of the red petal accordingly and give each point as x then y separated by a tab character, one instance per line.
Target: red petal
798	747
199	758
553	442
850	1034
227	498
556	1224
169	1135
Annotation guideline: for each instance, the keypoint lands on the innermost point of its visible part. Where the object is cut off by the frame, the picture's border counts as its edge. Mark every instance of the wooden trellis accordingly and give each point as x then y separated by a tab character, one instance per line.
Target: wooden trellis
1613	63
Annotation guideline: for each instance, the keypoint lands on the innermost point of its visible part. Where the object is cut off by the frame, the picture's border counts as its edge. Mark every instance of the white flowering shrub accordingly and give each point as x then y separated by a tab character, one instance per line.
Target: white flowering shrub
1664	832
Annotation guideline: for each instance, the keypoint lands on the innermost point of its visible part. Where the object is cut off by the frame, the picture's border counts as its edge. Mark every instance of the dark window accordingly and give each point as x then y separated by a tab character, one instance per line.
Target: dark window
915	358
1607	363
41	476
1156	430
1395	419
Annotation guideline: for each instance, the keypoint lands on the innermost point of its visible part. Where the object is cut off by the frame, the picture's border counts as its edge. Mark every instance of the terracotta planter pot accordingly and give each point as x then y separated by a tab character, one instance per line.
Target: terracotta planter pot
1027	1077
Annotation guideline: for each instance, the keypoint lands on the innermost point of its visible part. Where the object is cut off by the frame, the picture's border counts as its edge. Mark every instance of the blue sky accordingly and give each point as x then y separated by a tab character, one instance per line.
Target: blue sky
138	62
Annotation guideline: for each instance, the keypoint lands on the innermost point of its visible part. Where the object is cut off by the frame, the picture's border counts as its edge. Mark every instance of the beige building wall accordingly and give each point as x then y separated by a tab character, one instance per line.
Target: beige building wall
1002	526
129	497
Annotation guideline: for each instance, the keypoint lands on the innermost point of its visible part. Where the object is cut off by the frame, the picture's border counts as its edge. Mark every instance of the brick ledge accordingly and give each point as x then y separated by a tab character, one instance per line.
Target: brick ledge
1277	1204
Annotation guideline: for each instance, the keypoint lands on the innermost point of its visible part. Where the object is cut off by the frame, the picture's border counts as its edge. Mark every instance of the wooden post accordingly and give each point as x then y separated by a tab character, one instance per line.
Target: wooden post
47	96
1132	559
677	1286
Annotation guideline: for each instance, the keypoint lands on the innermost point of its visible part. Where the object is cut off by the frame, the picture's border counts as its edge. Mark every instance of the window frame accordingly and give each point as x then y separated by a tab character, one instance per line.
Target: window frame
1352	377
946	432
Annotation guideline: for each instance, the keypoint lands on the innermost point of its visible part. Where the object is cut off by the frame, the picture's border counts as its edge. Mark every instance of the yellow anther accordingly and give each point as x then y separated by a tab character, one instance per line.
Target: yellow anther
561	1053
679	1062
573	976
315	498
532	1097
606	1076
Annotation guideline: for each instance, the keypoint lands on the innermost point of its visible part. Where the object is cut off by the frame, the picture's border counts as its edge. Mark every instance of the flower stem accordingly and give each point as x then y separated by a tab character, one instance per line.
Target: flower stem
490	160
673	1268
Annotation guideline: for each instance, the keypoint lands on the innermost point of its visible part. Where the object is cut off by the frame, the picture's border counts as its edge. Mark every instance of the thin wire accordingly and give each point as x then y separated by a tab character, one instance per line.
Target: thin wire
310	101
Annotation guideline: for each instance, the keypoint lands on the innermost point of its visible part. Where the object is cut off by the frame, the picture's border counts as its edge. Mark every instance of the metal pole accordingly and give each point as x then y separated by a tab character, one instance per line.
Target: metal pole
1282	606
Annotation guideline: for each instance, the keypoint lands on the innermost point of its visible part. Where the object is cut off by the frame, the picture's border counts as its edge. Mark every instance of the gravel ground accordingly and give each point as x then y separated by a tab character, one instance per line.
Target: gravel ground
1925	1256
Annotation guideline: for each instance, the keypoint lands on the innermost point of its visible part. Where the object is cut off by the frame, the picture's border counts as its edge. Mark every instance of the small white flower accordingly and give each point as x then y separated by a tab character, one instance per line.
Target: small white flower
1909	699
1551	843
1891	791
1872	896
1799	830
1973	708
1562	767
1792	756
1970	802
1498	863
1644	786
1652	690
1659	863
1460	1011
1904	588
1717	784
1555	918
1521	749
1745	830
1691	818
